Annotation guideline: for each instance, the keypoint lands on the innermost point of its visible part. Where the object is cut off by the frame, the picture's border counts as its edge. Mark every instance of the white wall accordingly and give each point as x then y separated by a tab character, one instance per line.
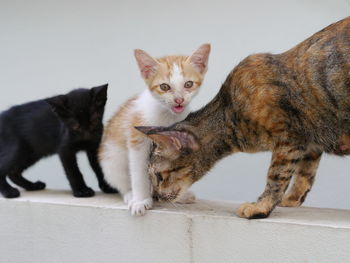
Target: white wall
54	227
50	47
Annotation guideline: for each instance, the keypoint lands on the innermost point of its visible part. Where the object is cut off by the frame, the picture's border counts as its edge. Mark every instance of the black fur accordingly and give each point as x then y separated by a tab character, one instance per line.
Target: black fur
64	124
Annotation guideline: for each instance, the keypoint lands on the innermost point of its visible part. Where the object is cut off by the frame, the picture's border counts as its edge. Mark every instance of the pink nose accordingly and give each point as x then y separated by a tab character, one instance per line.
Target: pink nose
179	100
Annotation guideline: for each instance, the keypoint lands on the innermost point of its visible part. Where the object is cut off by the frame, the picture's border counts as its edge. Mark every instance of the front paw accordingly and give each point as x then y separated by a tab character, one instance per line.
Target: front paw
84	192
36	186
10	193
138	208
187	198
127	198
107	189
253	211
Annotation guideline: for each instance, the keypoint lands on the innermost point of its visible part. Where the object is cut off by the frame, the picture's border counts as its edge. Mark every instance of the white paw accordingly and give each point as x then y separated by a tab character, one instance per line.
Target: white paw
138	208
187	198
127	197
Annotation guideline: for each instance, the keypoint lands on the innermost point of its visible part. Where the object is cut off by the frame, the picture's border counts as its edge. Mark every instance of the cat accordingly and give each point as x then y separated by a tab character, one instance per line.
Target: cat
63	124
295	104
172	83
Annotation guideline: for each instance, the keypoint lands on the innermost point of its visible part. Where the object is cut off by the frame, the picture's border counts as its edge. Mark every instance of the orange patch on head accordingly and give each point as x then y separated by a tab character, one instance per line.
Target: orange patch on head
165	69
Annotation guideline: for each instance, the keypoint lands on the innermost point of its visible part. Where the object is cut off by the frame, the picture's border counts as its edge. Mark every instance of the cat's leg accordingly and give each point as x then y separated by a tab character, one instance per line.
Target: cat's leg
303	179
285	160
140	182
75	178
104	186
6	189
19	180
114	163
6	161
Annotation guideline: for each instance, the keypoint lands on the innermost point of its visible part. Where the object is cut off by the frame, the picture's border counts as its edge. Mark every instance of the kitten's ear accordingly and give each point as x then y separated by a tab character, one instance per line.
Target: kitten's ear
59	105
99	95
170	140
148	66
199	59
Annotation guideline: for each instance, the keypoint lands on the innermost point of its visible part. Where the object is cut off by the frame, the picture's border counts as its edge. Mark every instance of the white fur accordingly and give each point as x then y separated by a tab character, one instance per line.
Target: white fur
117	163
114	163
155	109
177	79
153	113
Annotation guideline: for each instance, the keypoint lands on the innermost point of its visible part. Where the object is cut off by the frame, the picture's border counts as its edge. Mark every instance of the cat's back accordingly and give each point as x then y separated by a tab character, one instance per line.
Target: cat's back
117	126
25	113
317	67
29	121
304	91
333	39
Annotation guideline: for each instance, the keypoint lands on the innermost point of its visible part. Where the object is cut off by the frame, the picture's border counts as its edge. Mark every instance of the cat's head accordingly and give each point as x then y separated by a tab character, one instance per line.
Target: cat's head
174	80
81	110
174	164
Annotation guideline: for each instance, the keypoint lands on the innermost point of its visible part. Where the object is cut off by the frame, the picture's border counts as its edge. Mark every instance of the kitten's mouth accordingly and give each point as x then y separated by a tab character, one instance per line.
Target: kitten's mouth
178	108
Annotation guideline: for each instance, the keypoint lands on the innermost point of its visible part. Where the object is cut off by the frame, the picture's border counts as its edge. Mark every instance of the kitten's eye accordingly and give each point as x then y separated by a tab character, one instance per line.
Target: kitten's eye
188	84
164	87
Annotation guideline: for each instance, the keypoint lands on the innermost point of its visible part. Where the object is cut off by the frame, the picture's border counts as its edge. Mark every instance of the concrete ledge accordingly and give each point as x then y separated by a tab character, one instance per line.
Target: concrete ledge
52	226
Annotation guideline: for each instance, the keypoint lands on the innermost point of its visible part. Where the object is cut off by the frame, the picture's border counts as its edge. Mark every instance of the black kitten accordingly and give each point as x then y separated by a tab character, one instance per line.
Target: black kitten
63	124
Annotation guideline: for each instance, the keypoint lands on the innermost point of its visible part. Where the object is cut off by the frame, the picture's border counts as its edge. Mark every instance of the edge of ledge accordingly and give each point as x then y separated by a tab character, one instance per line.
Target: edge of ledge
306	216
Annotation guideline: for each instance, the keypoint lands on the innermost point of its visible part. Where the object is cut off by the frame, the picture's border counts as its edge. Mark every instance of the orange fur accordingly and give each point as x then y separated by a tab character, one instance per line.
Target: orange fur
172	83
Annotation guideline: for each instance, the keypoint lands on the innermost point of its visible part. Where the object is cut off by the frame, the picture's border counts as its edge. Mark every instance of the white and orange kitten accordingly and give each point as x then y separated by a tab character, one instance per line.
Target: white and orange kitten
124	152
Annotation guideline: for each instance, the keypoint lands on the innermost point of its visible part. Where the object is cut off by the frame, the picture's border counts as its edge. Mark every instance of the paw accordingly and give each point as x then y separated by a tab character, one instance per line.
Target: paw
127	197
107	189
84	192
287	201
187	198
36	186
138	208
10	193
253	211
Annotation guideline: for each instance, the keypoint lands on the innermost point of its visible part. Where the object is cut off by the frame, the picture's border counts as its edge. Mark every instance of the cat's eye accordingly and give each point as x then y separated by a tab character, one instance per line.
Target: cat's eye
188	84
164	87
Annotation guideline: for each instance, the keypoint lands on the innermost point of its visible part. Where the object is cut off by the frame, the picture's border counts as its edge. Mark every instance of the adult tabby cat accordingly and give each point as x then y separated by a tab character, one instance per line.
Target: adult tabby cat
295	104
63	124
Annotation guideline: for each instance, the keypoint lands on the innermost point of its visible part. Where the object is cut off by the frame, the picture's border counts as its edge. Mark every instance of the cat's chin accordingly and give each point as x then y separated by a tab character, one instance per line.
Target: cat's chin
178	109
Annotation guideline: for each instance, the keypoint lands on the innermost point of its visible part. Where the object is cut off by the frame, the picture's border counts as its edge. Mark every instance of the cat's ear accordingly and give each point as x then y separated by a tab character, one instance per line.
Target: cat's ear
170	140
99	95
59	106
148	66
199	59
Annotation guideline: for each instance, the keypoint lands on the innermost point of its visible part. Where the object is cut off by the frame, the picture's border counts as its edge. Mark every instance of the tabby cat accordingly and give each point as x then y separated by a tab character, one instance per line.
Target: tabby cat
295	104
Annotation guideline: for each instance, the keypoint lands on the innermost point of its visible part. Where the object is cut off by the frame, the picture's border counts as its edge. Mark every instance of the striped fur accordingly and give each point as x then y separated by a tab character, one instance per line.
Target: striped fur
295	104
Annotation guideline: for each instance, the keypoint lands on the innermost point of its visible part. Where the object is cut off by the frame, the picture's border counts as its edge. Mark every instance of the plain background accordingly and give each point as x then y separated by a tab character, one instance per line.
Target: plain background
51	47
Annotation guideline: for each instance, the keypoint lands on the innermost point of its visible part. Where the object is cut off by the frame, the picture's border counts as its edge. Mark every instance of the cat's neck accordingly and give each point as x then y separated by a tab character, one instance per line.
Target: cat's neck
155	113
212	126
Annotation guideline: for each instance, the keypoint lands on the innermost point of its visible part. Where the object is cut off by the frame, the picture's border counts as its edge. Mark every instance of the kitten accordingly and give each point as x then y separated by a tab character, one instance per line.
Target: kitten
172	82
63	124
295	104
